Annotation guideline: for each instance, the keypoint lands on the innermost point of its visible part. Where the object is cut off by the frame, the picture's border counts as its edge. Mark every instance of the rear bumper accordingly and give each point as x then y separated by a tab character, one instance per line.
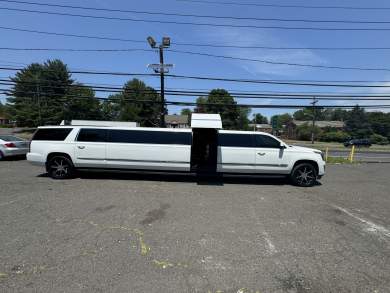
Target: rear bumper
9	152
36	159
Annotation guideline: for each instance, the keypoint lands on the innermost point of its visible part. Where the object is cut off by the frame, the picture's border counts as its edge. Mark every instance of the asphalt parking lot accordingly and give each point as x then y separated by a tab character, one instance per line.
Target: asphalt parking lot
150	233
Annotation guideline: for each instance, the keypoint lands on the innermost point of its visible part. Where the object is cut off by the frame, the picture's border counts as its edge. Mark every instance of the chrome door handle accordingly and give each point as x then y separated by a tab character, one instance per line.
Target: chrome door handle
81	147
261	154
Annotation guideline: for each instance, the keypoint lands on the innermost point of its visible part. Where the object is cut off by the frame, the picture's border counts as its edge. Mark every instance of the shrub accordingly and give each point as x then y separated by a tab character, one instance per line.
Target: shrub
379	139
304	132
334	136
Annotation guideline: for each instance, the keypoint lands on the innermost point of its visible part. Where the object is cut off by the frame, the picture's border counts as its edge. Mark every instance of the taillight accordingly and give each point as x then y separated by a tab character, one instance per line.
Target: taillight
10	145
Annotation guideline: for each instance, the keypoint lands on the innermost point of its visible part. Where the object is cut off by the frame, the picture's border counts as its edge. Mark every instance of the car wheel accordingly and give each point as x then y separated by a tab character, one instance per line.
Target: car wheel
304	175
1	156
60	167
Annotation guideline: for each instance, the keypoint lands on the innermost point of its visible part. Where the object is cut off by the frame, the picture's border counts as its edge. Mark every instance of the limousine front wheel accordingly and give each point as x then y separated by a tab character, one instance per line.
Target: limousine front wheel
60	167
304	175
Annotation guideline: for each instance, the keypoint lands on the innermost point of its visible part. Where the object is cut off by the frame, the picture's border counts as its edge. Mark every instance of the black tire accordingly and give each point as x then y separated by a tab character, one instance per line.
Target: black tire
299	178
60	167
1	156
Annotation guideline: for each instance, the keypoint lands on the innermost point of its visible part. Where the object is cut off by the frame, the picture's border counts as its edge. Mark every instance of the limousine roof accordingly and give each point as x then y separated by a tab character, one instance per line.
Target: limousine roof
118	127
156	129
206	121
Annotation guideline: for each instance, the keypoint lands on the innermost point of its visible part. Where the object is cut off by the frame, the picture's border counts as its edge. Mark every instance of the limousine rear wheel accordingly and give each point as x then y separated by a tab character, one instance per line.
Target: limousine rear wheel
60	167
304	175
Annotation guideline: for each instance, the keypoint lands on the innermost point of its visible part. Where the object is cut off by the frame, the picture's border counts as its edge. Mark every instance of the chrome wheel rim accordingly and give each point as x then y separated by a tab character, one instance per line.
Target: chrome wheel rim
305	175
60	167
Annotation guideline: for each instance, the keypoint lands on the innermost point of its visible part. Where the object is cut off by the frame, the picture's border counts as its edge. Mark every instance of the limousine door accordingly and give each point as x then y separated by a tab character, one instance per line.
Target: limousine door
270	156
204	150
90	148
236	153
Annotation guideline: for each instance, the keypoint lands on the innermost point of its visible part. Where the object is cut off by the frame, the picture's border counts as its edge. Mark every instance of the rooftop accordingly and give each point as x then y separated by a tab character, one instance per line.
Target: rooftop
179	119
321	124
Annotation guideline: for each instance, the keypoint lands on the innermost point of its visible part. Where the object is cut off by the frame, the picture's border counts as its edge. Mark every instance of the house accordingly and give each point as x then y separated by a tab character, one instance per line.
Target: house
176	121
4	120
290	129
261	127
322	124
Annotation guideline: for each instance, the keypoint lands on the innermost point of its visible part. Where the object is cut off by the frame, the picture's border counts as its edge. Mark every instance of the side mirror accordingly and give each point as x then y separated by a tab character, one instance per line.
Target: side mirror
282	146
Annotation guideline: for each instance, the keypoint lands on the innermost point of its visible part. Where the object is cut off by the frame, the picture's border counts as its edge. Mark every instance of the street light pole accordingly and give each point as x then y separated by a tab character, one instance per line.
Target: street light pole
161	69
162	87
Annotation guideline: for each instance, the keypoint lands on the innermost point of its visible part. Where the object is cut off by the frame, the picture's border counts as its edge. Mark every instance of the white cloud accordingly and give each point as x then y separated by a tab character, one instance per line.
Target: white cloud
371	100
248	38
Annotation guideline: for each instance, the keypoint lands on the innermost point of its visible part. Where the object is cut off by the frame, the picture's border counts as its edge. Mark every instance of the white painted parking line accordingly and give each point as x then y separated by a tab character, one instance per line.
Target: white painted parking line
371	226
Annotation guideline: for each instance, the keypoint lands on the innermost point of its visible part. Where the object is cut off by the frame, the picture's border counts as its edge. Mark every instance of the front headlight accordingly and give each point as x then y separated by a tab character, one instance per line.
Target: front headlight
321	154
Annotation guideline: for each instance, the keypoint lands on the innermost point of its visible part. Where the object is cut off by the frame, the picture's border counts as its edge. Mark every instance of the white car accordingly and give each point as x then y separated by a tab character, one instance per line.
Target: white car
64	149
11	145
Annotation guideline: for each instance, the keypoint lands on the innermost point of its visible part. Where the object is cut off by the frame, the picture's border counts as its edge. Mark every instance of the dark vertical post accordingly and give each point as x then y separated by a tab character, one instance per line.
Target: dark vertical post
314	119
162	90
38	95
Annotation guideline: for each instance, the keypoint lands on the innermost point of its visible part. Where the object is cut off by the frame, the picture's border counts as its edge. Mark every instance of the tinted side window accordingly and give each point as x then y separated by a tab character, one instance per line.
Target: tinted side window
92	135
235	140
55	134
149	137
265	141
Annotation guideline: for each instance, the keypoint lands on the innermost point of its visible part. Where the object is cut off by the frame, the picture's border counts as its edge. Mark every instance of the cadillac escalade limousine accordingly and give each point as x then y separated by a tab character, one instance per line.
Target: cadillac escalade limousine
66	149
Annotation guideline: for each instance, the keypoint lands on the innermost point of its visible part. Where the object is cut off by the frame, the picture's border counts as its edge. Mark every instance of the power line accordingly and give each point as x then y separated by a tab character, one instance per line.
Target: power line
189	93
77	50
197	45
179	103
185	44
264	61
203	24
243	93
216	79
71	35
89	8
279	63
285	6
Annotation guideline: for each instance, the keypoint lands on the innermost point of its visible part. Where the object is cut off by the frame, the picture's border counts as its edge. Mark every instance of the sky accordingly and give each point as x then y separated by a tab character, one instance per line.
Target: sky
184	64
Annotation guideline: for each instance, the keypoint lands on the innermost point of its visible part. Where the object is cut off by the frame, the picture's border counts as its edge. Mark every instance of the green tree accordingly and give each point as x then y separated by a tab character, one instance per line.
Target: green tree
259	119
357	123
137	102
280	121
339	115
2	109
243	120
81	104
186	112
306	114
110	108
380	123
304	132
379	139
219	101
38	93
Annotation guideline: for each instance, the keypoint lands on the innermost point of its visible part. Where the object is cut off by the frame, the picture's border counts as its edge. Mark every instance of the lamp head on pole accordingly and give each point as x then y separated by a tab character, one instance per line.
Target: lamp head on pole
151	42
166	42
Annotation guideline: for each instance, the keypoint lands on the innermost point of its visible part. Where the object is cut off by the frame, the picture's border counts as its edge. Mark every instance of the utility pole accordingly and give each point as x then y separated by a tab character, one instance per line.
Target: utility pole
38	95
315	101
162	87
161	68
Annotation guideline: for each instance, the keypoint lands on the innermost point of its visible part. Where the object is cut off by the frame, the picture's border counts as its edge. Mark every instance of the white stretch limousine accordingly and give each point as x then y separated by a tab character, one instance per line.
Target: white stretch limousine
63	149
